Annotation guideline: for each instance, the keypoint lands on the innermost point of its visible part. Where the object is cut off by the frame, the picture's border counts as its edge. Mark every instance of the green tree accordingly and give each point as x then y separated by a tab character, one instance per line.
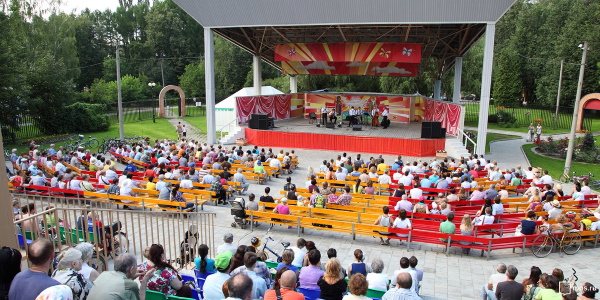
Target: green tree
507	82
192	81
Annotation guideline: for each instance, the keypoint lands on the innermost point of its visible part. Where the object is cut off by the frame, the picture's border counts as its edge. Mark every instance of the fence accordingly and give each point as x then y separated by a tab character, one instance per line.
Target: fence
522	116
65	221
133	111
26	129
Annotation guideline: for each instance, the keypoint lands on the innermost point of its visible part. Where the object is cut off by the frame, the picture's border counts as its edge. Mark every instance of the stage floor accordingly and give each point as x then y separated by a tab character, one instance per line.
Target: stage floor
396	130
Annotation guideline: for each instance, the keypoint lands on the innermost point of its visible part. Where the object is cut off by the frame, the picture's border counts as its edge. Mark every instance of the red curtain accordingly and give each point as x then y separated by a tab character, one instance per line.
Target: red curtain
276	106
343	143
446	113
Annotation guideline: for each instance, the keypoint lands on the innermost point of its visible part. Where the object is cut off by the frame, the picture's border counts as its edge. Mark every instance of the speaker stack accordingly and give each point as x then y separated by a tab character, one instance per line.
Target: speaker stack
432	130
259	121
356	127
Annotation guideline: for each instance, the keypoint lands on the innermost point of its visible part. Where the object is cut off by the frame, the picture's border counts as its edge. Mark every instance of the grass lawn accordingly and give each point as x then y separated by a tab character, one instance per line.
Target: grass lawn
198	122
546	130
555	166
162	129
495	137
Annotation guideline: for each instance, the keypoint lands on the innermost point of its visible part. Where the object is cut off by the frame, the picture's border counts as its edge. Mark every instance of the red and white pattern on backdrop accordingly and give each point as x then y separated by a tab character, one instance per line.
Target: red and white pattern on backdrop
276	106
446	113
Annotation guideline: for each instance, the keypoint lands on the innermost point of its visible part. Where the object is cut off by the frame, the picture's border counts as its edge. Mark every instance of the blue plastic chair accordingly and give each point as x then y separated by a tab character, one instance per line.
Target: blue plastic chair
186	278
22	240
310	293
202	275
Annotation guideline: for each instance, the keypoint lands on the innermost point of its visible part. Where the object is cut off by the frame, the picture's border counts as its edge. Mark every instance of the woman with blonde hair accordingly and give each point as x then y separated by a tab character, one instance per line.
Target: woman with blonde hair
462	194
332	283
466	229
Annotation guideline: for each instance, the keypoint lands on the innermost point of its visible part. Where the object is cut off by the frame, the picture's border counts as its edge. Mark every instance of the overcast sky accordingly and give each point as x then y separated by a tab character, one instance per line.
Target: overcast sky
79	5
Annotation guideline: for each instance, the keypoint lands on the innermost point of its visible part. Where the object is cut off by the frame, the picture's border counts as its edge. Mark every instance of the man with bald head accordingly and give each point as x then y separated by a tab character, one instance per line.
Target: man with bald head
28	284
402	291
287	282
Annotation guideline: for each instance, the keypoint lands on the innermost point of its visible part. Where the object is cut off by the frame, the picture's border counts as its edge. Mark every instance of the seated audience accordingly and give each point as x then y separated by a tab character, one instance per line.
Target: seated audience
332	284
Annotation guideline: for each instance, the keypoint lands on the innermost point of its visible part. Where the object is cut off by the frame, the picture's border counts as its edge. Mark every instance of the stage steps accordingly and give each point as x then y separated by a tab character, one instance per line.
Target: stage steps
236	133
455	148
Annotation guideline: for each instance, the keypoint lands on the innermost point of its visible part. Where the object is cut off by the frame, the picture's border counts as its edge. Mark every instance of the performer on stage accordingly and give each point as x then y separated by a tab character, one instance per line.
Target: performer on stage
323	115
385	122
351	116
375	115
332	116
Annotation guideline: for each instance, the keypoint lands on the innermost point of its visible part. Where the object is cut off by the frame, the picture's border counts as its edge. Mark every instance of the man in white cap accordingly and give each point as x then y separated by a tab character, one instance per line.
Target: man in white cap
555	211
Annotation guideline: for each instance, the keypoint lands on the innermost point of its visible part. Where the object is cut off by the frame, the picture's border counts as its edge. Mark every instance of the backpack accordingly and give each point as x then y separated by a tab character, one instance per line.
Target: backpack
319	201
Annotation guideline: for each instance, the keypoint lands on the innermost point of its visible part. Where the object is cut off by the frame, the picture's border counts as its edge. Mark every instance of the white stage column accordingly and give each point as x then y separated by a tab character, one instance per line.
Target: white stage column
457	79
293	84
486	86
257	74
437	89
209	79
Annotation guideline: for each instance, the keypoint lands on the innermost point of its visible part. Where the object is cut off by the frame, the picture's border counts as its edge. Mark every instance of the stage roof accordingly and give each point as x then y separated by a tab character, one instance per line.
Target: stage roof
445	28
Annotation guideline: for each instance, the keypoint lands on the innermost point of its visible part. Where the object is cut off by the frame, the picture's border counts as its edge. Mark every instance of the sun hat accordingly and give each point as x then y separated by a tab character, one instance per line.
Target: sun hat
223	259
556	203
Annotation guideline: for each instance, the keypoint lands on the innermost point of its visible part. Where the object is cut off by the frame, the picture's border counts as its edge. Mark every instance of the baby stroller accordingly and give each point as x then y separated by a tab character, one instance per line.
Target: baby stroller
239	213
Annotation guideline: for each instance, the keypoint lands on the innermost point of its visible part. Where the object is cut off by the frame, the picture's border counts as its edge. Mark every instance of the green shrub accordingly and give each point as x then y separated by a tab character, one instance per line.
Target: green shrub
85	117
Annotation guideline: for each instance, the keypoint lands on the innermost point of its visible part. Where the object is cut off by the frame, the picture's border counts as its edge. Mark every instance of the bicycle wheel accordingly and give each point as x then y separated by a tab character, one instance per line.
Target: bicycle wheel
564	178
542	246
102	149
571	243
93	143
99	262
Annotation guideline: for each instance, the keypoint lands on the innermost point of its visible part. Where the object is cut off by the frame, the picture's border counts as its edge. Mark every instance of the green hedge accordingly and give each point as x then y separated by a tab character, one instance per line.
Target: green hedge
84	117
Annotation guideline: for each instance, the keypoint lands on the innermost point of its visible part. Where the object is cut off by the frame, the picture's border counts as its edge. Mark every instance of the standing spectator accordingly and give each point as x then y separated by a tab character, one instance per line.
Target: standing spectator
332	284
538	131
309	276
227	244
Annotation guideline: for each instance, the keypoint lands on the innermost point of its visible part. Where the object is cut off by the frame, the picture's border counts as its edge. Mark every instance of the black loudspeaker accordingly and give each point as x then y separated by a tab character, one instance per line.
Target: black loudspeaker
263	124
356	127
431	130
330	125
426	130
253	123
442	134
260	116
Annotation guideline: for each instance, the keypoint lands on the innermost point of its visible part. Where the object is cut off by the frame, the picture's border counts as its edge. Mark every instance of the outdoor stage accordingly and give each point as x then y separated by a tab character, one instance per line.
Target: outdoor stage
398	139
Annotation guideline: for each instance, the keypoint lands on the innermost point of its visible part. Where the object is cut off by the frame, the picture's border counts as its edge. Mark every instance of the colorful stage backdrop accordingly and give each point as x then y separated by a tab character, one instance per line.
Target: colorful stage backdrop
399	106
381	59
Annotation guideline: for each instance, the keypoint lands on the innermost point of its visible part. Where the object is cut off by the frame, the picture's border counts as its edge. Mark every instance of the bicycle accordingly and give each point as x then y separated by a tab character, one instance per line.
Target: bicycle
569	243
574	179
256	243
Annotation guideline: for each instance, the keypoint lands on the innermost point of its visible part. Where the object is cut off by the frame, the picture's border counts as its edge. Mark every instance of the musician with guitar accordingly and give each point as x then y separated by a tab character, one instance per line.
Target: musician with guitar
332	116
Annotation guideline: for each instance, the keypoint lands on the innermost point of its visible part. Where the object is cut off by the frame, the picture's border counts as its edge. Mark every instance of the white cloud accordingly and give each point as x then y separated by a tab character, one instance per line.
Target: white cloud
317	65
354	64
390	70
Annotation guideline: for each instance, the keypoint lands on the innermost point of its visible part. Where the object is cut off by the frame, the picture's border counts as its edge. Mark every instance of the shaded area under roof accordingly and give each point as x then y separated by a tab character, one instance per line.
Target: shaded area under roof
445	28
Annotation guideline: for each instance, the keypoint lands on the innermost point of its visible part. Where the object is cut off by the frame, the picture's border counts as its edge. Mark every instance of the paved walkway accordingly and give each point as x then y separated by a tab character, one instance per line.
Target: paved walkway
193	133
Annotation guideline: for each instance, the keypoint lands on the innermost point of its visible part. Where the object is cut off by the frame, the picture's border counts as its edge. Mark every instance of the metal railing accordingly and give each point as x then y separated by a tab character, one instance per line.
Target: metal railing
69	221
464	139
226	129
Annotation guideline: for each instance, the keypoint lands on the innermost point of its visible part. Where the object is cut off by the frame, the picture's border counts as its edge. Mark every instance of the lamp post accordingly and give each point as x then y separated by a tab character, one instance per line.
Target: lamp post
576	109
152	85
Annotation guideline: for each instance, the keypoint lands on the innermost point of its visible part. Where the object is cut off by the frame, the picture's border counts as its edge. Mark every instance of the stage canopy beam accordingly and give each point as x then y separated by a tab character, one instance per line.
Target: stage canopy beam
486	84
